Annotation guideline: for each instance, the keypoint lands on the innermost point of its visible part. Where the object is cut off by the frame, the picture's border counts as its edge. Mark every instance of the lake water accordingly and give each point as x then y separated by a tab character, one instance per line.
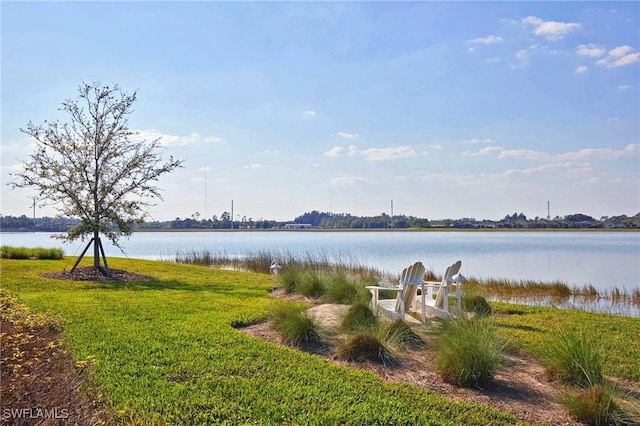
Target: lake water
602	259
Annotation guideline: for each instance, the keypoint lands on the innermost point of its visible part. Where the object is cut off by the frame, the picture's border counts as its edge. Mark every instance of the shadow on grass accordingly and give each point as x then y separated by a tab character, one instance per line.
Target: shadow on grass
522	327
175	284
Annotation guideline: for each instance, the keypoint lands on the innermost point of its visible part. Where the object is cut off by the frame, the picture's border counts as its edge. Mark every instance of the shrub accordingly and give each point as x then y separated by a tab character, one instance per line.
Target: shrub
359	317
575	357
365	347
468	351
399	332
296	328
343	290
9	252
596	406
311	284
476	304
290	277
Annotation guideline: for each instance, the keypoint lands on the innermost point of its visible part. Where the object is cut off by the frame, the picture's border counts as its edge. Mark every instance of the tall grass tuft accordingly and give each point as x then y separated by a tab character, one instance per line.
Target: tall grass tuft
296	328
475	303
596	406
312	284
576	357
365	347
468	351
10	252
359	317
398	332
342	289
290	278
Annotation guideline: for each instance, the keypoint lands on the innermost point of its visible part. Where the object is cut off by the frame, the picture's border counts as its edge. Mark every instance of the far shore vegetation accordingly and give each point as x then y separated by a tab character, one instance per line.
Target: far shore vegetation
168	349
343	221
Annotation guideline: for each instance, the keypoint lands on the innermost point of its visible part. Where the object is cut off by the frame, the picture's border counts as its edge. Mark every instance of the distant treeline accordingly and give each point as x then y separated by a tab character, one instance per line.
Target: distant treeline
327	220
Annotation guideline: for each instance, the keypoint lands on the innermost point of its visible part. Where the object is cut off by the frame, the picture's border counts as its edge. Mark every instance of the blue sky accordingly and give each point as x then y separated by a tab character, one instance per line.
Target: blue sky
451	110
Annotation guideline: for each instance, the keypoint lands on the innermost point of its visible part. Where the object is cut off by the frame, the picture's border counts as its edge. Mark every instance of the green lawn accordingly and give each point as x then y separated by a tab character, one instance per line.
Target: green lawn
531	328
167	352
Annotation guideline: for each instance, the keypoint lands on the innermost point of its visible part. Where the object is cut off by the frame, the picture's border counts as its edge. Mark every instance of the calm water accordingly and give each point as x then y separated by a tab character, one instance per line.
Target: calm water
602	259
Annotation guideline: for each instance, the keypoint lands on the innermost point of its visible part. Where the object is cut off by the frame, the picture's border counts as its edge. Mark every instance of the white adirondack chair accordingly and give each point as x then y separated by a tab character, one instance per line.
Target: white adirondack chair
411	278
439	305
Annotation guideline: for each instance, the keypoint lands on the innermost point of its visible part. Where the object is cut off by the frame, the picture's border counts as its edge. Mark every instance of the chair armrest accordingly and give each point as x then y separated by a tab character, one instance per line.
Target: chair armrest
377	287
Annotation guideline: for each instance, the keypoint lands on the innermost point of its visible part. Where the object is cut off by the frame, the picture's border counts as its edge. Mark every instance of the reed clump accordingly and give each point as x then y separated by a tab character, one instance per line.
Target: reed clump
468	351
576	357
596	405
365	347
296	327
10	252
359	317
312	284
398	332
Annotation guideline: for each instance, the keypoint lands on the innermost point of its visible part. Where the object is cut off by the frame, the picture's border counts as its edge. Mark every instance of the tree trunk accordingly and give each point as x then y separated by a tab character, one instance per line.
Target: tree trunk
96	250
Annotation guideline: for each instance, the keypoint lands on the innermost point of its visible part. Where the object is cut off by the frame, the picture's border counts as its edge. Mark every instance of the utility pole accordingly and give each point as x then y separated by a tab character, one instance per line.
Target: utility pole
391	223
205	191
548	210
231	214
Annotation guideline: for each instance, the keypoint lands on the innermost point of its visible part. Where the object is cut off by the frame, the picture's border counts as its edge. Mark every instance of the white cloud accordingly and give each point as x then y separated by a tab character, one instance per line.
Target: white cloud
339	151
591	50
490	39
391	153
581	155
373	154
347	136
551	30
309	113
489	150
173	140
347	180
620	51
572	168
254	166
522	56
335	152
624	87
581	69
493	60
619	57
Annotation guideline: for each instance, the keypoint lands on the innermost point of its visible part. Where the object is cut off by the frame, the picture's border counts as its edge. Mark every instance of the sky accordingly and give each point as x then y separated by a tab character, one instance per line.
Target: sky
441	109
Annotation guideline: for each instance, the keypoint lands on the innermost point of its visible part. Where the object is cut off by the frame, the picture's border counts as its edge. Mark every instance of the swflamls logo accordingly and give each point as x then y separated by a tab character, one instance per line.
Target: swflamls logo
35	413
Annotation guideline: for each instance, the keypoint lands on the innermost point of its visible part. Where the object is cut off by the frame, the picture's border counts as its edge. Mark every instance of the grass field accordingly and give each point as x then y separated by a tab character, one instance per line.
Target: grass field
167	351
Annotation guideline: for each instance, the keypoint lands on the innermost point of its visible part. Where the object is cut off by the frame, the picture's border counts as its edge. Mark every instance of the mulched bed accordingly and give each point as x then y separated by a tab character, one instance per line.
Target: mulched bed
91	273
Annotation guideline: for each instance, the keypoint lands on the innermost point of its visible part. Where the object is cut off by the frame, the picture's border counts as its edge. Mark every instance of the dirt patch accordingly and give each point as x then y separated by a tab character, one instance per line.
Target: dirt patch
41	382
91	273
520	386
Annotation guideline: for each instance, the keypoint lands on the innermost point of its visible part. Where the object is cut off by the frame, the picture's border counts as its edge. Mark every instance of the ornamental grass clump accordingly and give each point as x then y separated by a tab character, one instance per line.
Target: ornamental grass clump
311	284
10	252
359	317
475	303
468	351
365	347
597	406
575	357
343	290
296	327
290	278
398	332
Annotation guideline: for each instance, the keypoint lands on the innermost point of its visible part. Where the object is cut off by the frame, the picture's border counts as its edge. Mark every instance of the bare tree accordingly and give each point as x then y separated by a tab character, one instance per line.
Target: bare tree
94	168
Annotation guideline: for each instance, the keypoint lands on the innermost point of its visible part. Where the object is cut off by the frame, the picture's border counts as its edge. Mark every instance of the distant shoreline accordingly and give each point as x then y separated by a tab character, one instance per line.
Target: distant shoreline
16	231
